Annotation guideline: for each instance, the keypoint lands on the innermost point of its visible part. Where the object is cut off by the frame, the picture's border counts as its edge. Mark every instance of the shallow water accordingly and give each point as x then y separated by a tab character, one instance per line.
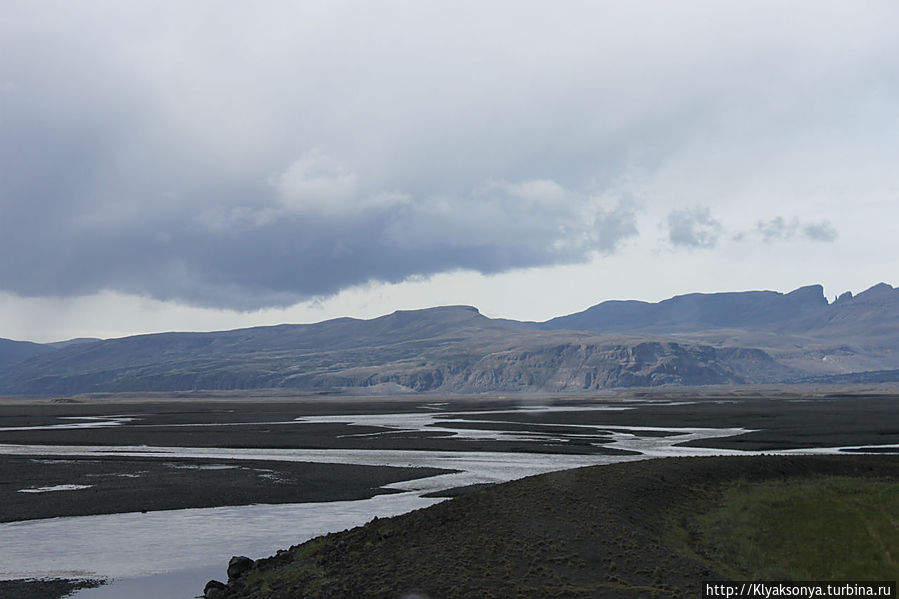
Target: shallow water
53	488
136	544
180	584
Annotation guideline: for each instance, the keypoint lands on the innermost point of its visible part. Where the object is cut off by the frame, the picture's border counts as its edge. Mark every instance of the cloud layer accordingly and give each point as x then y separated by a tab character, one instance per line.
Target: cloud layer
228	155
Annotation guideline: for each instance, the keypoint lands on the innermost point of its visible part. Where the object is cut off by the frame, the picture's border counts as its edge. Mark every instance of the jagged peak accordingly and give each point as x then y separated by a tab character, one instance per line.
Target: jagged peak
881	289
815	292
843	298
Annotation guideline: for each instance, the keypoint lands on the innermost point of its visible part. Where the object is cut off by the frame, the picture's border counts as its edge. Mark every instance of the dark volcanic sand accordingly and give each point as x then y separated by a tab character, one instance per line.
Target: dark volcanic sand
257	424
785	420
144	484
53	588
601	531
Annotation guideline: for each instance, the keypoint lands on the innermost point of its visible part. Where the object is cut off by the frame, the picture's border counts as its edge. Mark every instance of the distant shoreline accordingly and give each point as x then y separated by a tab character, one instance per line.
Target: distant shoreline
363	395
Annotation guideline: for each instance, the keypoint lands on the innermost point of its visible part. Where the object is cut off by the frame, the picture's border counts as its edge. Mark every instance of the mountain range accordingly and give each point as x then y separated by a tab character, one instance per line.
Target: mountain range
695	339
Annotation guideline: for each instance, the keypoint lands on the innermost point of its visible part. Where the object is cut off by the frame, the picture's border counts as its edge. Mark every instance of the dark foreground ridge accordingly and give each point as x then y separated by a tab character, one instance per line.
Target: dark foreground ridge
617	531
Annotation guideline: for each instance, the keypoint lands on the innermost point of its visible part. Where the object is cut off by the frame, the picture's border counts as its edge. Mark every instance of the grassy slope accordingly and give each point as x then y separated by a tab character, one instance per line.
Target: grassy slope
625	530
824	527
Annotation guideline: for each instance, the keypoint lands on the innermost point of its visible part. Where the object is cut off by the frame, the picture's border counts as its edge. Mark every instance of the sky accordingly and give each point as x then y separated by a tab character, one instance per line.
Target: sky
216	164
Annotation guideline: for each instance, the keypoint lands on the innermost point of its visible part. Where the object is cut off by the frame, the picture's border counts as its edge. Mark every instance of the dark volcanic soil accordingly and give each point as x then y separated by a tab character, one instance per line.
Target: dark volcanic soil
254	424
145	484
600	531
781	419
784	418
54	588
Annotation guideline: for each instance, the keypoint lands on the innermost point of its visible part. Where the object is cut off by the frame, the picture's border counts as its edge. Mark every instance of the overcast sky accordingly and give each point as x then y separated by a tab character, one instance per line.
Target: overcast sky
216	164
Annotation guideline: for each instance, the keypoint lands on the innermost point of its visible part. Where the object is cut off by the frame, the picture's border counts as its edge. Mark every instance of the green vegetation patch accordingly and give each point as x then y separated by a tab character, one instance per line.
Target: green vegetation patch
303	568
819	528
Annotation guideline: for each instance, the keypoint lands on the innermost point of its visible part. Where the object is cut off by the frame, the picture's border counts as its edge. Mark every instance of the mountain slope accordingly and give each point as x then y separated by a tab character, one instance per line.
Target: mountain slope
871	316
446	349
16	351
762	310
696	339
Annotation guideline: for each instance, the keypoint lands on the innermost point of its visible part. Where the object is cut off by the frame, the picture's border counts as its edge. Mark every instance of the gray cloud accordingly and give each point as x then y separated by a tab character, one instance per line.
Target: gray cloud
305	237
777	228
227	155
820	231
782	229
615	225
693	228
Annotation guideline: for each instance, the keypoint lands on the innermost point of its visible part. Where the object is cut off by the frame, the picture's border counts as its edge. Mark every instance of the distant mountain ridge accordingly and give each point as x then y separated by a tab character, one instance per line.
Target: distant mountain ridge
765	310
694	339
16	351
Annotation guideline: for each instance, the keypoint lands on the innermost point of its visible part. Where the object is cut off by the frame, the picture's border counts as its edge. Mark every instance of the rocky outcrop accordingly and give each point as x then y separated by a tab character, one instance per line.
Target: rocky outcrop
238	566
214	590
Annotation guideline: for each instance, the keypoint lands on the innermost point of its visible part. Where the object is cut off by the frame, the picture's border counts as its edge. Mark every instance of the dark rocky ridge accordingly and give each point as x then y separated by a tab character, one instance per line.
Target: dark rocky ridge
600	531
697	339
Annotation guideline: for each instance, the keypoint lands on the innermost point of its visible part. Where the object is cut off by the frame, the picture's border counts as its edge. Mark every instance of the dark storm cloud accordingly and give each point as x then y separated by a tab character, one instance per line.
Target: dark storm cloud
308	231
241	156
146	166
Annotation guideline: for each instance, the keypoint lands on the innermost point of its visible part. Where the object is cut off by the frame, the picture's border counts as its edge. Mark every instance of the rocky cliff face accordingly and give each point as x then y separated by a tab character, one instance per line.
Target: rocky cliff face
568	367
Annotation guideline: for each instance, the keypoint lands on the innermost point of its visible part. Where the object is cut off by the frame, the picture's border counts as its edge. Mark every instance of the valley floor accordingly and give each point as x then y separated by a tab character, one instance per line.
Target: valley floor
125	453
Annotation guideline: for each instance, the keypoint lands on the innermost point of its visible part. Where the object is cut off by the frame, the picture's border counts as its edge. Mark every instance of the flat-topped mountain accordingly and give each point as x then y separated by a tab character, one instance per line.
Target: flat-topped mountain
695	339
